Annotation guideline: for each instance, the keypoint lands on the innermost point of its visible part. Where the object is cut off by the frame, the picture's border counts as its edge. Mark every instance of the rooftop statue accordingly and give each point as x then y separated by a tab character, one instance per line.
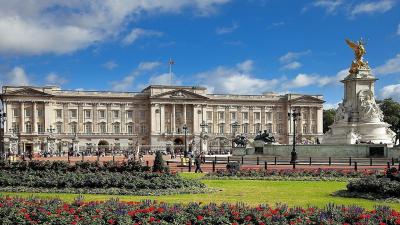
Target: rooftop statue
359	52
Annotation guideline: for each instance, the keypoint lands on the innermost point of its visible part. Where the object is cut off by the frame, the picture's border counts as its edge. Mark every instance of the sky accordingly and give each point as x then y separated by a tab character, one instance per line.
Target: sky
228	46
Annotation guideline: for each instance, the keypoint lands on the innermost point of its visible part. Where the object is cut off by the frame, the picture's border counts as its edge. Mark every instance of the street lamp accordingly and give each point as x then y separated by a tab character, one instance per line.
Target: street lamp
3	117
296	116
185	152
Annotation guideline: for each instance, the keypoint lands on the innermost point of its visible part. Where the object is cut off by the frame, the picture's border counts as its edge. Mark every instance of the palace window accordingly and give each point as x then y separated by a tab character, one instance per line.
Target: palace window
102	114
129	114
221	115
130	128
59	128
142	128
280	115
58	113
73	128
116	113
40	112
210	128
280	128
15	112
40	127
269	116
72	113
221	128
257	116
257	127
245	128
28	127
209	115
245	115
305	116
269	128
15	127
314	129
142	114
305	129
233	115
88	113
27	112
88	128
116	128
102	128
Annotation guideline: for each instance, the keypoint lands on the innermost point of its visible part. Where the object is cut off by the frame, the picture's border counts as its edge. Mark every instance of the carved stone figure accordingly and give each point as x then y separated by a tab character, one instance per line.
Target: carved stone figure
359	52
340	113
240	141
265	137
369	110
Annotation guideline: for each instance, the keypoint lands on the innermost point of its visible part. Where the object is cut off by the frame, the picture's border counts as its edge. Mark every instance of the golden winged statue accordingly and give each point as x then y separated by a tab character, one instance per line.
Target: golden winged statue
359	52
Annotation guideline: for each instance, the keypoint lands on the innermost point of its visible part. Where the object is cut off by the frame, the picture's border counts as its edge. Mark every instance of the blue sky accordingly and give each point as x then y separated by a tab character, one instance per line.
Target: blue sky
240	47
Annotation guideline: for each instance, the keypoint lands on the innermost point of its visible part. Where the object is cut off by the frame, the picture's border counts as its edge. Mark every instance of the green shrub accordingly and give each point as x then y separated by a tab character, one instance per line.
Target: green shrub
233	167
158	165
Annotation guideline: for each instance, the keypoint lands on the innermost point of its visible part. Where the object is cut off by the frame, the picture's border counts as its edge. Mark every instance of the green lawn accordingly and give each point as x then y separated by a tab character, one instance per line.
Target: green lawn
293	193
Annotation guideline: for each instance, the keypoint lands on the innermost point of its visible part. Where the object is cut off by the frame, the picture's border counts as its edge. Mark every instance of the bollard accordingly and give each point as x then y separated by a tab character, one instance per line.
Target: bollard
275	160
68	159
228	159
98	157
398	167
215	159
355	166
213	166
266	165
349	161
190	164
294	165
388	165
330	161
258	160
392	161
147	163
310	161
167	163
242	160
370	161
83	157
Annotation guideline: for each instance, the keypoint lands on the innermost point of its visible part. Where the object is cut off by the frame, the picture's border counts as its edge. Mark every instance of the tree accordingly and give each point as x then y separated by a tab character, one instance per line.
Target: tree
328	118
158	165
391	113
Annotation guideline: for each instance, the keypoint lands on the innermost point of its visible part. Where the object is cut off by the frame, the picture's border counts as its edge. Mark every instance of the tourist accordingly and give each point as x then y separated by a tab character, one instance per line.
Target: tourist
197	163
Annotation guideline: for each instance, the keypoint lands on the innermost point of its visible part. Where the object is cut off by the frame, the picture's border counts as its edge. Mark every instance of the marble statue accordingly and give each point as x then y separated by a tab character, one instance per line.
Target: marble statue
358	117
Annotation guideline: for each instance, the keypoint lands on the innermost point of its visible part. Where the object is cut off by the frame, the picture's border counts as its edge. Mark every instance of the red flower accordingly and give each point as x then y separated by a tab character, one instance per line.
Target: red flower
199	217
248	218
152	219
111	221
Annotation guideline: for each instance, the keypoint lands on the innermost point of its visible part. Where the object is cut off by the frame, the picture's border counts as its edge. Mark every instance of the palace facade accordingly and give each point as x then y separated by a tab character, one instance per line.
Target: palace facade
153	117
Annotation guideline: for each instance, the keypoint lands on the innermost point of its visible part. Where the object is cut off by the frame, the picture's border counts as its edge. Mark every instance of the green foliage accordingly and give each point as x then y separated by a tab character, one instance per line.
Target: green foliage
328	118
391	113
233	167
158	165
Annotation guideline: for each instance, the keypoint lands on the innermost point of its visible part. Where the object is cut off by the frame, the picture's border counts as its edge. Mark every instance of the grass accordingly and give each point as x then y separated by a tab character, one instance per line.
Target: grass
253	192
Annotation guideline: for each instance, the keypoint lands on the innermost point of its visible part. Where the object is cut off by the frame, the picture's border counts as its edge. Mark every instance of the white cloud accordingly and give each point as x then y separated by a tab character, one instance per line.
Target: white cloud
124	84
398	29
165	79
291	66
110	65
380	6
41	27
329	5
303	80
391	66
139	33
391	91
327	105
227	30
237	79
55	79
291	56
149	65
18	77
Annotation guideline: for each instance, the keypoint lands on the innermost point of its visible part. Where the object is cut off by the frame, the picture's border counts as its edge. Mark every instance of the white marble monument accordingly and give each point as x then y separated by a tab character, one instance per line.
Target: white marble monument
358	118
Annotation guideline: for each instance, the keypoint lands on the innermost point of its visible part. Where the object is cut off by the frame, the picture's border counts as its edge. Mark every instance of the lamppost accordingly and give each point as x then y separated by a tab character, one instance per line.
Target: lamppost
296	116
185	152
3	117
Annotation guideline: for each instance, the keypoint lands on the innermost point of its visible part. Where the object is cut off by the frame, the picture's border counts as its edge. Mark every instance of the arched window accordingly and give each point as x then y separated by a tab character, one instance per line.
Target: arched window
116	128
130	128
28	127
102	128
245	128
305	129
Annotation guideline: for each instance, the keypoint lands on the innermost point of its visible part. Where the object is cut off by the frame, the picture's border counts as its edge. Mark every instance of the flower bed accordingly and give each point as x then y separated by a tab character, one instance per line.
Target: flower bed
35	211
289	174
85	177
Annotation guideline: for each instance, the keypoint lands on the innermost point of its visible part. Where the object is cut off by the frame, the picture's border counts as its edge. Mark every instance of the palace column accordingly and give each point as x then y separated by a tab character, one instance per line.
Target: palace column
47	115
184	114
34	116
123	118
65	117
22	117
95	122
319	120
162	118
80	118
109	116
173	119
195	119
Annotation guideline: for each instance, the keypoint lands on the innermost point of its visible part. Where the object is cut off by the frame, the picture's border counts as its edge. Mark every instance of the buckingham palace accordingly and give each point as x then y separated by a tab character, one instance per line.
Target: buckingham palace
158	115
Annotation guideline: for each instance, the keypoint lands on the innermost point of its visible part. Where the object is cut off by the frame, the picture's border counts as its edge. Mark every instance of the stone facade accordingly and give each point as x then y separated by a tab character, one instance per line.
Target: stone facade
155	116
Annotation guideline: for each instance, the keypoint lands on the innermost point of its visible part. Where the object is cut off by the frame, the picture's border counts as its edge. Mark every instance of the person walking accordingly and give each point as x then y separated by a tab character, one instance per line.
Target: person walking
197	163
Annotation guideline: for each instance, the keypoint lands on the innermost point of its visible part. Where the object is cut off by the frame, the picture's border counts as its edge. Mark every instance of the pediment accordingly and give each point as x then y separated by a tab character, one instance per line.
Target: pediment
28	92
306	99
179	94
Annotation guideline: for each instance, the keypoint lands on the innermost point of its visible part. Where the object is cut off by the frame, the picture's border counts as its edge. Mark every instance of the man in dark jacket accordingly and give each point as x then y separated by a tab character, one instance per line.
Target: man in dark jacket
197	163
